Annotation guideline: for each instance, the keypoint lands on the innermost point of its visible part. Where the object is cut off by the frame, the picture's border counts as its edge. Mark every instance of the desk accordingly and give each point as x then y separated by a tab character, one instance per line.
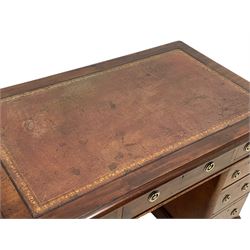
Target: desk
164	130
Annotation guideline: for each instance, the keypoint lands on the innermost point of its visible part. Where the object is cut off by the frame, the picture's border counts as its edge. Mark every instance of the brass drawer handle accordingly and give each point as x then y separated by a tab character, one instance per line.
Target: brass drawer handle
245	187
209	166
234	212
236	174
226	198
154	196
247	147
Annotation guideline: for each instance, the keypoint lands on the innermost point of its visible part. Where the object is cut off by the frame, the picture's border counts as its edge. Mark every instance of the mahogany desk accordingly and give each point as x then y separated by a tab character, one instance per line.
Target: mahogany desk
165	130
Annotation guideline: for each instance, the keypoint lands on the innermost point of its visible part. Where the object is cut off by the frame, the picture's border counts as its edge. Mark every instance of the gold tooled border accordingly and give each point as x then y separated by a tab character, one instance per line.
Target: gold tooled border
37	208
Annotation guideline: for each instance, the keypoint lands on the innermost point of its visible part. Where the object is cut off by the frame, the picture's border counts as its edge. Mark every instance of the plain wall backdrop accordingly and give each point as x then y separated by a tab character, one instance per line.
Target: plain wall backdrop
41	38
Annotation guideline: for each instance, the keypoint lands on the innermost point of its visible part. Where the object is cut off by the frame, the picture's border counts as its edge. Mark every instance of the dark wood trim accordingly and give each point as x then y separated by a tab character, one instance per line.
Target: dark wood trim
11	202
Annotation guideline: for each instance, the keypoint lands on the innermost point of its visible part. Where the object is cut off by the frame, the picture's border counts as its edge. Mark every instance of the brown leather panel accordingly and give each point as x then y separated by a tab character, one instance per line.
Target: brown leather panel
63	140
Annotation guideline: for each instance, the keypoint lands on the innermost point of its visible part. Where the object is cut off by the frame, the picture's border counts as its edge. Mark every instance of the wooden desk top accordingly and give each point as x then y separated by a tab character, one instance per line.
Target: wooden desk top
80	142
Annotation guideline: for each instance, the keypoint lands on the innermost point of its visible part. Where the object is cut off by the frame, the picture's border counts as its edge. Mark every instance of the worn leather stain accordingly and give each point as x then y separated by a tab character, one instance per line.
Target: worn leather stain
38	125
112	166
76	171
119	156
28	125
112	105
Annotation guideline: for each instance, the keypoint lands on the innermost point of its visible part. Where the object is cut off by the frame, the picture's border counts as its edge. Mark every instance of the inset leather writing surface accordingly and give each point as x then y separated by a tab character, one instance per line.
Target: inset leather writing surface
64	140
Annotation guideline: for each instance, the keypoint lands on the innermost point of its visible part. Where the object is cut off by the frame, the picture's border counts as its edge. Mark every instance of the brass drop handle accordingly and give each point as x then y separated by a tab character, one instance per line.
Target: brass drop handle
245	187
209	166
234	212
226	198
247	147
236	174
154	196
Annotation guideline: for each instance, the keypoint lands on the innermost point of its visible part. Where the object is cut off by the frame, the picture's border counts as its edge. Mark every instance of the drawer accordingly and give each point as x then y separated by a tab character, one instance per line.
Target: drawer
231	211
162	193
241	151
232	193
236	172
116	214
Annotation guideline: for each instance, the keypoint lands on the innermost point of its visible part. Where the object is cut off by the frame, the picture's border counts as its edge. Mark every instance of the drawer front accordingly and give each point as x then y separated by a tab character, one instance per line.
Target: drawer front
232	211
232	193
242	151
236	172
116	214
176	185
